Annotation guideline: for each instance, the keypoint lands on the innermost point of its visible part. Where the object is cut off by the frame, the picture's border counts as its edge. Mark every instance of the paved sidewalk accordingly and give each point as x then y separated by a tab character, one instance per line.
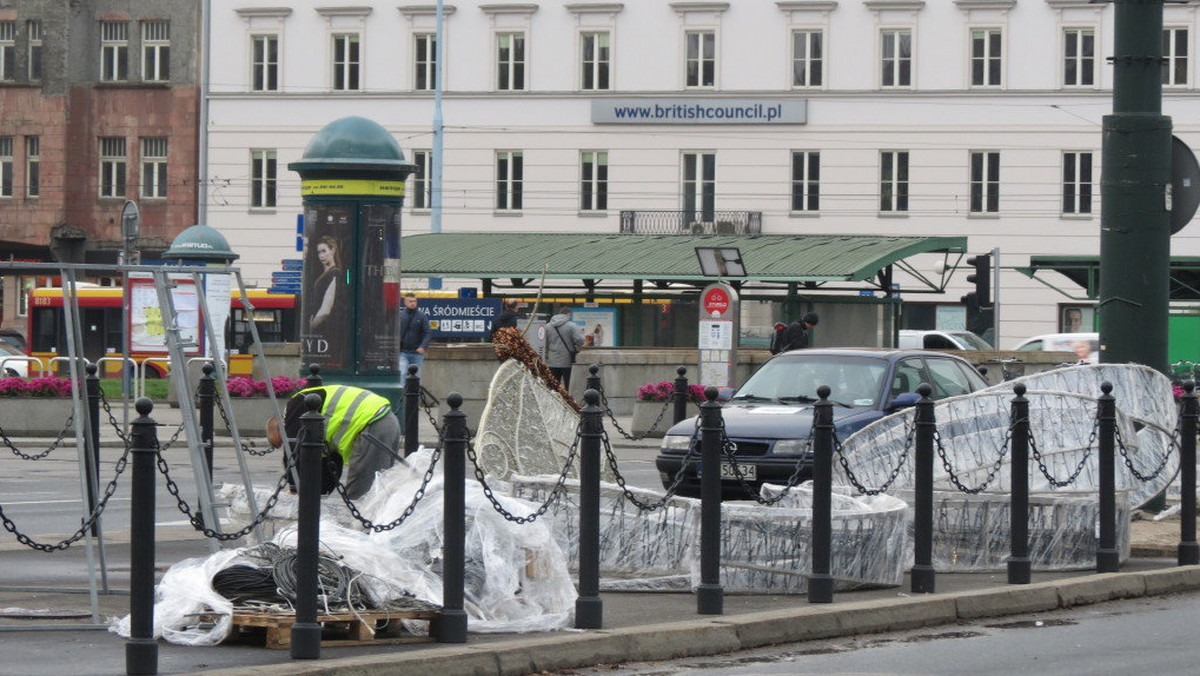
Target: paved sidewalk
638	626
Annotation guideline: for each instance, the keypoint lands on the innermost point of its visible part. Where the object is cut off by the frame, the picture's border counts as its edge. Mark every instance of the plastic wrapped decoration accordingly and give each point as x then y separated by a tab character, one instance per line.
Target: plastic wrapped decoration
764	549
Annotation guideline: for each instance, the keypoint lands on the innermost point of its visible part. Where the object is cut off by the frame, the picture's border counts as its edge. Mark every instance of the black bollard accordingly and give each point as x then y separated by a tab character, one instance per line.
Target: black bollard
820	583
314	376
1019	567
593	379
452	624
93	408
412	403
923	575
1189	552
589	608
306	632
681	394
710	596
1106	554
206	395
141	652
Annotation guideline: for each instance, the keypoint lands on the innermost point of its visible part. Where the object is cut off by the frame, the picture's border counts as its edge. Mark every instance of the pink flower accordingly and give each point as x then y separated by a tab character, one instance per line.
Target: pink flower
247	387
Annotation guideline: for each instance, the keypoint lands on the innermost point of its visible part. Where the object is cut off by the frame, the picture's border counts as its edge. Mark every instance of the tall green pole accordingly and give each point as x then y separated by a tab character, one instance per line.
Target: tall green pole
1135	229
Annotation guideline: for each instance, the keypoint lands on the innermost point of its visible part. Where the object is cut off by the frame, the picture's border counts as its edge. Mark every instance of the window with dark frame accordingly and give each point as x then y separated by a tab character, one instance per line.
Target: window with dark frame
114	51
265	63
893	181
262	179
593	188
510	180
806	180
985	182
1077	183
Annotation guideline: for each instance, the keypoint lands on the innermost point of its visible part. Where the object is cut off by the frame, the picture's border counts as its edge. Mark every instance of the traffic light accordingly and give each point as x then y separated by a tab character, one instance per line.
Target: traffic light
981	278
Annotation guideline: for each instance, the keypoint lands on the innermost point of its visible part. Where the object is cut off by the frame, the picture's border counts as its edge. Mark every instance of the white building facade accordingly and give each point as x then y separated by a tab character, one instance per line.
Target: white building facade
976	118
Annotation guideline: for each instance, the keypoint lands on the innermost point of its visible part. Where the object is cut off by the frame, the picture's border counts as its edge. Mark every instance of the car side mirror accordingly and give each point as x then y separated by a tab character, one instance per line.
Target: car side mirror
725	393
904	401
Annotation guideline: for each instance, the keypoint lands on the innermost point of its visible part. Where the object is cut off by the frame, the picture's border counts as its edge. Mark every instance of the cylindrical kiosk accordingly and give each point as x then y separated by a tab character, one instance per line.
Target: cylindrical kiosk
352	182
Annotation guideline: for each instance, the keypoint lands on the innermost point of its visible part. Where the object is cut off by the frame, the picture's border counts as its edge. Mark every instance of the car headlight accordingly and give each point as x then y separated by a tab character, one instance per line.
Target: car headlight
792	447
676	442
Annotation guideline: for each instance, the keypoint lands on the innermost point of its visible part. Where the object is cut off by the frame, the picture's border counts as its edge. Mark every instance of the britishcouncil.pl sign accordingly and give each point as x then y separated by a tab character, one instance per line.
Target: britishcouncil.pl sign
699	111
460	317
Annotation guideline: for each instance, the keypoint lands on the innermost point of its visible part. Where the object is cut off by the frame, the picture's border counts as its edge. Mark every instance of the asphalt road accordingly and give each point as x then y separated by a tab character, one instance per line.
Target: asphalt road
1154	635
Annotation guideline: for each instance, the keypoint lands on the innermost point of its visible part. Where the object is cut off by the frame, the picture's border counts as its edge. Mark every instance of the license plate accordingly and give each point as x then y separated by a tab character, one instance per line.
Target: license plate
749	472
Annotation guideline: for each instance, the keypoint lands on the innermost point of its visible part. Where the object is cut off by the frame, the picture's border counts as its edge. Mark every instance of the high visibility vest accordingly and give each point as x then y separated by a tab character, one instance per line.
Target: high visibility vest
347	411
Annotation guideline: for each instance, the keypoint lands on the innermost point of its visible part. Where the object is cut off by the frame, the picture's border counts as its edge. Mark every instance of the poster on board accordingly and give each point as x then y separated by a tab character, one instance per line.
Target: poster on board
325	300
599	326
148	321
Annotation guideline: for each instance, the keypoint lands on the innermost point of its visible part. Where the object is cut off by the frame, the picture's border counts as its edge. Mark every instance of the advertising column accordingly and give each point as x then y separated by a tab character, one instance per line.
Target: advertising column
352	181
718	334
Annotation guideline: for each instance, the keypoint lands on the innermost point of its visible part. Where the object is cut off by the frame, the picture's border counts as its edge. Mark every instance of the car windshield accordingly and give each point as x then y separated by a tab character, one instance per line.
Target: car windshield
853	380
972	341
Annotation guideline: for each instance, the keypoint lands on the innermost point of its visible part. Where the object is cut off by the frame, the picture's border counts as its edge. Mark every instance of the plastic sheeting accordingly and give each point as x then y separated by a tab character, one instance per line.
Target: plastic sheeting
764	549
974	429
517	577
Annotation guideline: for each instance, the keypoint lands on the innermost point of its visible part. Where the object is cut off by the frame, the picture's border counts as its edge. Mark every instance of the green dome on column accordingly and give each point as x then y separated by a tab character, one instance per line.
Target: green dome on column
200	243
353	145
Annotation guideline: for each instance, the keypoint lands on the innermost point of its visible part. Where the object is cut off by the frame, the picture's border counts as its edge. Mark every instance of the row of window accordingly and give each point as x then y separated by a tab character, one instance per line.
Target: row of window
699	181
1078	65
114	50
112	167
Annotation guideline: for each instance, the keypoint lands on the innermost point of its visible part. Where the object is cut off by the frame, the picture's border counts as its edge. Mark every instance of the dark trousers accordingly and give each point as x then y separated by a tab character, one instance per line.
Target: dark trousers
563	373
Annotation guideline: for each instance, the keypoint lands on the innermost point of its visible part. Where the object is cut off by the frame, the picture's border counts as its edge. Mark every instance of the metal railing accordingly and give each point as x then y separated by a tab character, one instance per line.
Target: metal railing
684	222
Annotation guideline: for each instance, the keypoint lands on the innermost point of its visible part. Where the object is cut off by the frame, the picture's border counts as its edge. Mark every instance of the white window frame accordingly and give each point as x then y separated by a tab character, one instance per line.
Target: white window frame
8	51
984	180
425	68
987	58
598	62
805	195
698	184
1177	55
33	166
264	68
593	181
154	167
422	180
1084	65
894	190
114	171
510	181
156	51
6	167
347	74
806	64
1078	183
114	51
264	179
34	55
512	73
695	65
891	38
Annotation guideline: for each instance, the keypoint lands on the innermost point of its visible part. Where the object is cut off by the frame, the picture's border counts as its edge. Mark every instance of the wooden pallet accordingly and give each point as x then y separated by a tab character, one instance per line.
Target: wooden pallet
373	627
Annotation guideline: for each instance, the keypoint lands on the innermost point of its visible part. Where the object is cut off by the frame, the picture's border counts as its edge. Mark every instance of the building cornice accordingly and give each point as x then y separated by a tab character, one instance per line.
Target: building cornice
595	7
685	7
345	11
967	5
510	8
247	12
806	5
421	10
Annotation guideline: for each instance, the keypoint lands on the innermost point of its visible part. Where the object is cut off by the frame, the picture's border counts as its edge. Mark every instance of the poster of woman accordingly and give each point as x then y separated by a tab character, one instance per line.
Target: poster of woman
599	326
325	298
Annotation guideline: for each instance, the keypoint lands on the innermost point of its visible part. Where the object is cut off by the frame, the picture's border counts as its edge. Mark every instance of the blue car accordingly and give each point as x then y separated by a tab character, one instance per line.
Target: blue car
769	419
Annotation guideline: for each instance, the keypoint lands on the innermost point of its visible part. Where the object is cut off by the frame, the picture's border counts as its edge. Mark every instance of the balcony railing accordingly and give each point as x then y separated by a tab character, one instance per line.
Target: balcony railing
664	222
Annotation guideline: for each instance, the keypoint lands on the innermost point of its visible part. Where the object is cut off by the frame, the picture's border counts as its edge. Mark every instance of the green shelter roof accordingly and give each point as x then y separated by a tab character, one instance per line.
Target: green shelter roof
767	258
1085	271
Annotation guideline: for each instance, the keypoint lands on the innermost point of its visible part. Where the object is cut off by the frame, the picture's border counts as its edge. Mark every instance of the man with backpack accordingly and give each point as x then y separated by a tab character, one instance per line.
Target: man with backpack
794	336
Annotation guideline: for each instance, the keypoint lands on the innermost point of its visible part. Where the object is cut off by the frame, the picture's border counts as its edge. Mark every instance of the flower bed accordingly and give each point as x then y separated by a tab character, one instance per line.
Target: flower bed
247	387
666	390
49	386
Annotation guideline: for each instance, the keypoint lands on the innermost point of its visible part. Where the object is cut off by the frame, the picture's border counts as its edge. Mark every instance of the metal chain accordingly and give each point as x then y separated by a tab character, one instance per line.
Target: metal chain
791	483
909	440
248	449
428	402
50	449
1129	463
84	529
545	506
197	519
632	437
112	420
672	489
1037	455
408	511
992	471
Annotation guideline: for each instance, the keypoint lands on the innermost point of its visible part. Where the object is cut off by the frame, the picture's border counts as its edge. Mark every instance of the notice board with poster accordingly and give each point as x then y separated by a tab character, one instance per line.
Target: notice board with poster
378	337
719	320
148	320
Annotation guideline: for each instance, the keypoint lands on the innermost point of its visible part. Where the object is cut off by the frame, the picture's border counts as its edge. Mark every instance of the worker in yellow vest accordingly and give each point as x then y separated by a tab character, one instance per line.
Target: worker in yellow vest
360	431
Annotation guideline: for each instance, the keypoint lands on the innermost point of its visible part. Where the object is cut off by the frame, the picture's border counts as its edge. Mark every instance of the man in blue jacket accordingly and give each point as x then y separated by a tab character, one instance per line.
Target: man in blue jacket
414	335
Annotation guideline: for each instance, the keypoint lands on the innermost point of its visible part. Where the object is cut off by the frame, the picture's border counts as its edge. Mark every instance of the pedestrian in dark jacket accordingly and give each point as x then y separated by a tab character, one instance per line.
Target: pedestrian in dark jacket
794	336
507	319
414	335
